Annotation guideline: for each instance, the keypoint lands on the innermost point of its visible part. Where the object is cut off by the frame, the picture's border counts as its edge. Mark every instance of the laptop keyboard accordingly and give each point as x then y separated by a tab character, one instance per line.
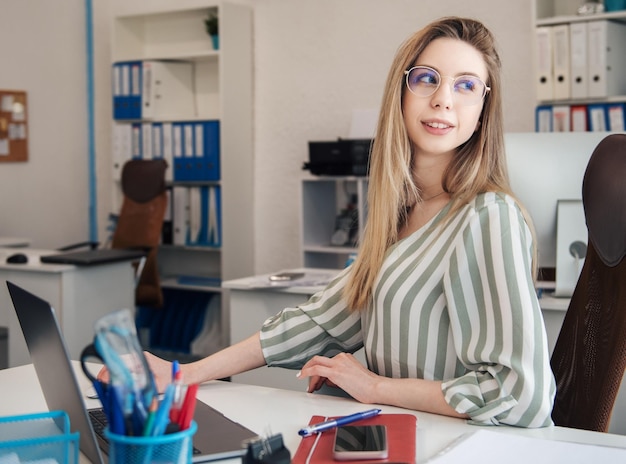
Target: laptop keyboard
99	422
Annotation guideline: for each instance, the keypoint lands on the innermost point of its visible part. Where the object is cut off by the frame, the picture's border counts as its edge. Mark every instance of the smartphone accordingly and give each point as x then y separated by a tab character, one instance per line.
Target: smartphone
283	276
360	442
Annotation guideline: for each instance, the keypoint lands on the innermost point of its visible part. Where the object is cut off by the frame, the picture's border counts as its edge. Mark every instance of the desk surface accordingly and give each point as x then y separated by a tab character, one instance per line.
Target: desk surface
267	410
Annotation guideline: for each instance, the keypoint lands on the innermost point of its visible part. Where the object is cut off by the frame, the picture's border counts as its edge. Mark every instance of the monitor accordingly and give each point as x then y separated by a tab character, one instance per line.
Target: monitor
545	167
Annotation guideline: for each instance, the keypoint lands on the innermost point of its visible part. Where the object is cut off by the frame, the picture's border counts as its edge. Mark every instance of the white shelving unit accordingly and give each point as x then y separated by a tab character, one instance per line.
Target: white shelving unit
223	91
323	199
222	88
564	12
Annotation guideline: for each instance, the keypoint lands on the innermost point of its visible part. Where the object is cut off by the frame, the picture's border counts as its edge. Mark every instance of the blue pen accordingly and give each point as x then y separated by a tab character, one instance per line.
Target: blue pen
322	426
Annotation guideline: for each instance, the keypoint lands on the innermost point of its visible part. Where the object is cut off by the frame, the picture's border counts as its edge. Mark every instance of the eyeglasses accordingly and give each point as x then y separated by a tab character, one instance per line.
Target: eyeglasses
424	82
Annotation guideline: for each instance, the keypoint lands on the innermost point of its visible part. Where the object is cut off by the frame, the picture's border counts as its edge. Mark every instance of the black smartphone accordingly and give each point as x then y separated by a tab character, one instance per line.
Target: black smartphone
360	442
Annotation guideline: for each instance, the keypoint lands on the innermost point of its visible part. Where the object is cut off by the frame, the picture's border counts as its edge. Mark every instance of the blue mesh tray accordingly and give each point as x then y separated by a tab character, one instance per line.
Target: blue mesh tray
38	436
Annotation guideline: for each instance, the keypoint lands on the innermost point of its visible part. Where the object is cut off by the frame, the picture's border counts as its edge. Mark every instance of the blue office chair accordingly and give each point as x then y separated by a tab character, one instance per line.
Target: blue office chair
589	357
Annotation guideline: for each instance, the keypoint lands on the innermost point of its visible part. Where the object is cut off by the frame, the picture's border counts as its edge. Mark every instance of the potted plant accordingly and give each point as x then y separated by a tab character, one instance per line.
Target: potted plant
212	28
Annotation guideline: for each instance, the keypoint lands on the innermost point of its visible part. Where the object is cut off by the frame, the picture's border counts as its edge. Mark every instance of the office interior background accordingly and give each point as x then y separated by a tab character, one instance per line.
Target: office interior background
315	61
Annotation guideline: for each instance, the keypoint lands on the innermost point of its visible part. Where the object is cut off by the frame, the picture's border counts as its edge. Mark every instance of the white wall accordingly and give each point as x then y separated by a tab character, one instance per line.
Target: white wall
315	61
43	53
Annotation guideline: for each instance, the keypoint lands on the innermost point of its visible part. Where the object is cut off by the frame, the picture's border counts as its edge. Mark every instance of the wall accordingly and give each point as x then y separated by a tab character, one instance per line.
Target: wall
315	61
43	52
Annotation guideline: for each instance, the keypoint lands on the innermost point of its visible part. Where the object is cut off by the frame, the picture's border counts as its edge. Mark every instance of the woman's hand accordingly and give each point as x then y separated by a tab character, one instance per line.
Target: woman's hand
161	370
343	371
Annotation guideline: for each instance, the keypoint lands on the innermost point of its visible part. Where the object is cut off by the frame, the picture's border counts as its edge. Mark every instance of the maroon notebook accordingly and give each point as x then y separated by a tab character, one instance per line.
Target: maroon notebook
401	429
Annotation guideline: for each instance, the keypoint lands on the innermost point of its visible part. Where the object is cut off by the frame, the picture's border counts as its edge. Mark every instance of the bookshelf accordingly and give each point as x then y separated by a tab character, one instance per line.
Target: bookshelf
324	199
579	61
221	88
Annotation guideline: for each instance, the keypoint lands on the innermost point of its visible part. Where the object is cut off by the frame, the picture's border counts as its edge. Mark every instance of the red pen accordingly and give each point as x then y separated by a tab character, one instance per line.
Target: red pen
188	408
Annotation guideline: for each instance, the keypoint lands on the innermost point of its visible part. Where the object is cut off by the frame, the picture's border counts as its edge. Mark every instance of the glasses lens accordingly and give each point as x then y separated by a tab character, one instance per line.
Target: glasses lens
469	90
423	81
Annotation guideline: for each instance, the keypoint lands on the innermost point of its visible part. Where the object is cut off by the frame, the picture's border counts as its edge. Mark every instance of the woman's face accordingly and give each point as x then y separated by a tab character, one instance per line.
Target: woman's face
439	123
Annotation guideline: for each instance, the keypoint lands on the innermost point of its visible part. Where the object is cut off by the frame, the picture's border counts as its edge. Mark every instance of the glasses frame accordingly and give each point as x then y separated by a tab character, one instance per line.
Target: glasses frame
486	88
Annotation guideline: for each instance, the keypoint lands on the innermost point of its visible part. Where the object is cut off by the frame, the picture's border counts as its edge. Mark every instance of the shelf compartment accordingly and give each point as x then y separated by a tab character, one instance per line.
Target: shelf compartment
173	35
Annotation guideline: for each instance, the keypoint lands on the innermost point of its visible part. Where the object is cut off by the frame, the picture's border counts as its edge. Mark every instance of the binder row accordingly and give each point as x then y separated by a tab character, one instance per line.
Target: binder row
580	60
596	117
191	149
153	90
195	216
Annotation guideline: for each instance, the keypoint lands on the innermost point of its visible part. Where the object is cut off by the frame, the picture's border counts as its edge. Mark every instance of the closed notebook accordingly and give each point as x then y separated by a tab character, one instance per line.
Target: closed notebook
401	429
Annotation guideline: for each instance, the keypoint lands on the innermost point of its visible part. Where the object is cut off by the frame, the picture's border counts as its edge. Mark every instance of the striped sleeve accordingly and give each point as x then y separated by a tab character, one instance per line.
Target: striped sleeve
321	326
496	322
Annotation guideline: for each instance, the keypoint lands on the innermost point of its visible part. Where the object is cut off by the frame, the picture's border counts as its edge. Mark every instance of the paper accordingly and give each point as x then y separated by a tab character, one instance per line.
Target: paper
516	449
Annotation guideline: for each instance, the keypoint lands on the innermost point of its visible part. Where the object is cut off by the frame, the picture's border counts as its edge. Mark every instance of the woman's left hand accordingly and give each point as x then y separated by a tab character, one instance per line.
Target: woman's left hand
343	371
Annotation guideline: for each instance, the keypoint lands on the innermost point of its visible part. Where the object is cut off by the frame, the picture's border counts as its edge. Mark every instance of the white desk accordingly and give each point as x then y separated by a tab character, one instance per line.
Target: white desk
264	410
79	295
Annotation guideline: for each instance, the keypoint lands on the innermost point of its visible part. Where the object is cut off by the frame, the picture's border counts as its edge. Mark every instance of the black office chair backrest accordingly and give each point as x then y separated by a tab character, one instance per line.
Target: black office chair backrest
590	353
141	221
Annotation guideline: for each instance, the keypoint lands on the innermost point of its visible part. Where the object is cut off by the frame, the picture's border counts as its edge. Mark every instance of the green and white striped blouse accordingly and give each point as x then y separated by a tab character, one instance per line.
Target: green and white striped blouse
454	302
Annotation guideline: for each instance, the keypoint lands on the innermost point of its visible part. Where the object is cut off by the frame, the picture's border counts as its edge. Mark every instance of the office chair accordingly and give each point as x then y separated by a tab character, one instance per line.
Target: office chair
589	357
140	222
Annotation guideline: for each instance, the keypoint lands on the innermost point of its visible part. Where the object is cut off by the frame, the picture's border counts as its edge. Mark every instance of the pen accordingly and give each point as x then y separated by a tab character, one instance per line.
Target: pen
322	426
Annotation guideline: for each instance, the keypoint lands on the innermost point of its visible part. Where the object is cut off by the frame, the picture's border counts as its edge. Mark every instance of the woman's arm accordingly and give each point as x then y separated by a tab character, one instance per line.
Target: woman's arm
347	373
237	358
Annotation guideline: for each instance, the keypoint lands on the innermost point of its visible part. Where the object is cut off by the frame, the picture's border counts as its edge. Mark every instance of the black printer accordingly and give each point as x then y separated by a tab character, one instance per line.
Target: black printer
342	157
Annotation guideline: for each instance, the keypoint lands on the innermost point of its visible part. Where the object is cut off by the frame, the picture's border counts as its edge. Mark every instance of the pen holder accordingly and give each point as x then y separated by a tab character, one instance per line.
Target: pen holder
168	448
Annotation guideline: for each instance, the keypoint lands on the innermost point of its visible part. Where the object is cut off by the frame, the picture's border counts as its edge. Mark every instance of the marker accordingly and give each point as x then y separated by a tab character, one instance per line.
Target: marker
330	424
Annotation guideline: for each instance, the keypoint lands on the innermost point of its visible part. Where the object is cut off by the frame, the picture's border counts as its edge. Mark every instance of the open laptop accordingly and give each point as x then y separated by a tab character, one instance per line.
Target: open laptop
217	436
91	257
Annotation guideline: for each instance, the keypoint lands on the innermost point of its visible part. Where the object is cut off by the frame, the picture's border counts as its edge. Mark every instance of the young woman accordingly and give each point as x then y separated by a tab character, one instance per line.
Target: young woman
441	294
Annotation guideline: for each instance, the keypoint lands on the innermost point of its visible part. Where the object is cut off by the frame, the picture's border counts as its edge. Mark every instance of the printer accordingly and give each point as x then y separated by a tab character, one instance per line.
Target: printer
342	157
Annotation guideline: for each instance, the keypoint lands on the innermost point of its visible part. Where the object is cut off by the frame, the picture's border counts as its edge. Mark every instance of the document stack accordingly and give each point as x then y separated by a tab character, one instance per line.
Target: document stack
580	66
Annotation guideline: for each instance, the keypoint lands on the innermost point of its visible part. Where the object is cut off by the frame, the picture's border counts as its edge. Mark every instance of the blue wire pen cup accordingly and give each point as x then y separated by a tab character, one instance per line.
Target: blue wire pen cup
174	448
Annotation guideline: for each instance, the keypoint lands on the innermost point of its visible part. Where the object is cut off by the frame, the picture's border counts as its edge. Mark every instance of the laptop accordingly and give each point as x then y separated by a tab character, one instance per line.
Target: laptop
91	257
217	436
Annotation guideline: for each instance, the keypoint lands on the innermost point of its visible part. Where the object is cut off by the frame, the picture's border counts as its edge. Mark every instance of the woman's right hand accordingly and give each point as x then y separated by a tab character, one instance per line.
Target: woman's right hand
161	370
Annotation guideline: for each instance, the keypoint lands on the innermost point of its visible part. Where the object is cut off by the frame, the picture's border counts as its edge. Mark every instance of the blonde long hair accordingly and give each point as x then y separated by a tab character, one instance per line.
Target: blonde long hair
479	165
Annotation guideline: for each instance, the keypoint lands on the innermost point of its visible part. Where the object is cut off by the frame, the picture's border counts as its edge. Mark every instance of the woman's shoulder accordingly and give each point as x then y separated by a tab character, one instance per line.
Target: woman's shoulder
493	199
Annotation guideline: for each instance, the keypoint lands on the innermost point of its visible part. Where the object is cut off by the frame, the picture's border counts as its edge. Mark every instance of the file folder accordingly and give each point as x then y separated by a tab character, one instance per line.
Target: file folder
157	140
208	148
597	117
180	215
146	140
134	100
578	60
544	81
117	90
177	152
543	118
121	144
167	90
205	216
561	61
136	147
606	58
168	154
615	117
561	118
579	118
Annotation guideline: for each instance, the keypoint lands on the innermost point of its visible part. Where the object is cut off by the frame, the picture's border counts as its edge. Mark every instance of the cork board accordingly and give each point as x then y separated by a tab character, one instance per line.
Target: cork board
13	126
